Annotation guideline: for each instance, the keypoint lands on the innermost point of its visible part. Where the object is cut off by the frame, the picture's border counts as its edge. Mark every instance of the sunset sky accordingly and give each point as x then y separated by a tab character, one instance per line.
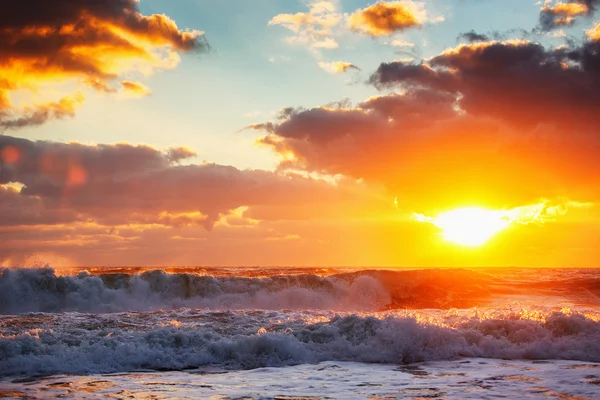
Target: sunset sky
276	132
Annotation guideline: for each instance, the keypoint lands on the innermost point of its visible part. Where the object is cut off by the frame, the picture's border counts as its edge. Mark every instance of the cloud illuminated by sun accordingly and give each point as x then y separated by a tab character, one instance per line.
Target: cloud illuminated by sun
475	226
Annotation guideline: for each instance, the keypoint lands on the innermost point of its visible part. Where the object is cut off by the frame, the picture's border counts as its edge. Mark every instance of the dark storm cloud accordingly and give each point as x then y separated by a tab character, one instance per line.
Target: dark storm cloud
519	82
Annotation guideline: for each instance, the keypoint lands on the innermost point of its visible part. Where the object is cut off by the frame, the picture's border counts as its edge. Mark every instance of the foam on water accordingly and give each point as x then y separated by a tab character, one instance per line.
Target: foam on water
119	322
81	343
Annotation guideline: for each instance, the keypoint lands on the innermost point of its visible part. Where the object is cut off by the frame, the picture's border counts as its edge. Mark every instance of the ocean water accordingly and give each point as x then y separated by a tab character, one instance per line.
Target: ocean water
299	333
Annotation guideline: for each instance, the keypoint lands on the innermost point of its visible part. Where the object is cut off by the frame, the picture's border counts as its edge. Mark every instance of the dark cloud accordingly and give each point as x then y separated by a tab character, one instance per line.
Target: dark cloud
21	210
519	82
473	37
122	184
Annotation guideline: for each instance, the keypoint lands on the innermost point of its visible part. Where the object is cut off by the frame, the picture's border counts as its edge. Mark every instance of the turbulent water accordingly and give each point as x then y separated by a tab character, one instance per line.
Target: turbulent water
106	321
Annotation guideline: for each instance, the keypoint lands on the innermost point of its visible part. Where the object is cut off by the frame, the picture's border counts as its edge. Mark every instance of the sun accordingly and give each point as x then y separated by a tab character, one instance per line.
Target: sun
469	226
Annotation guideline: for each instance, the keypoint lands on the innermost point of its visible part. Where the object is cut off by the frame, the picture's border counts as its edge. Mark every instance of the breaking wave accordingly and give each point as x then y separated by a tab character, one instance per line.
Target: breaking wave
117	321
41	290
235	340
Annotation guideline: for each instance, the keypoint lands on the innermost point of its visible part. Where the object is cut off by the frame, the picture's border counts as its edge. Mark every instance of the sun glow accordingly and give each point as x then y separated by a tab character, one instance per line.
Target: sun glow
470	226
474	226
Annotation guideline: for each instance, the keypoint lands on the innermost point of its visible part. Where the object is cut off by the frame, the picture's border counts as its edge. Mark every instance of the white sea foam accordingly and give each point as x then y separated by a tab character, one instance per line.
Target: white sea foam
116	322
80	343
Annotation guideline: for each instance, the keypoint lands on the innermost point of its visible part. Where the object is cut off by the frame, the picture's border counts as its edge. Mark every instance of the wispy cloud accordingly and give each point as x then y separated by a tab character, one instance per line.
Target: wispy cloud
313	28
337	67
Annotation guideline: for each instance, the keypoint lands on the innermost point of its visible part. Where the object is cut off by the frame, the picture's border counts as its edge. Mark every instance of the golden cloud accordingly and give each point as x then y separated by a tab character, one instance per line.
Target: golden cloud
89	43
463	124
594	33
568	9
37	114
564	14
136	89
384	19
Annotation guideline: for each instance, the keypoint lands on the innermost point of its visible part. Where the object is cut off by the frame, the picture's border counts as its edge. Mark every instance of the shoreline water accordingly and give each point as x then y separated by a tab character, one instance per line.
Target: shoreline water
468	378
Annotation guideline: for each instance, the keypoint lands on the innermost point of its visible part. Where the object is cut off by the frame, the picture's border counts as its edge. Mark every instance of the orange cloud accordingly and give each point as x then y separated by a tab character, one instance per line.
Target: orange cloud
564	14
497	124
136	88
384	19
90	43
594	33
568	9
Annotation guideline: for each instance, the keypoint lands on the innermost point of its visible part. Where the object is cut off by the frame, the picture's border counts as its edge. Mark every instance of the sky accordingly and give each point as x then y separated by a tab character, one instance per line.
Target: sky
318	133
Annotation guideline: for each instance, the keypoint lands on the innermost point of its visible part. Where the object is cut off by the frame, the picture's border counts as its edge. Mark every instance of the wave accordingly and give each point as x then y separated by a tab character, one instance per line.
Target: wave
41	290
231	340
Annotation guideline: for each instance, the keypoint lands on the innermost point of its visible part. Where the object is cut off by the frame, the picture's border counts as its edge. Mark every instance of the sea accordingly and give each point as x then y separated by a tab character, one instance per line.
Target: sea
299	333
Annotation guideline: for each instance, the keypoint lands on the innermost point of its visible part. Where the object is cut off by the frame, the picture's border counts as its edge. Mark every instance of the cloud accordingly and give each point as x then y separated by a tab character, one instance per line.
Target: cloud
86	42
402	43
473	37
594	33
125	184
562	14
38	114
463	125
319	27
337	67
386	18
116	203
19	210
517	81
136	89
179	154
313	28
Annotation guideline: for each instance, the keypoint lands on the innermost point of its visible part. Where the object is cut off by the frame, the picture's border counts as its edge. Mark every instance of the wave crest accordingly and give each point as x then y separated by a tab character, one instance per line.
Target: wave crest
41	290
